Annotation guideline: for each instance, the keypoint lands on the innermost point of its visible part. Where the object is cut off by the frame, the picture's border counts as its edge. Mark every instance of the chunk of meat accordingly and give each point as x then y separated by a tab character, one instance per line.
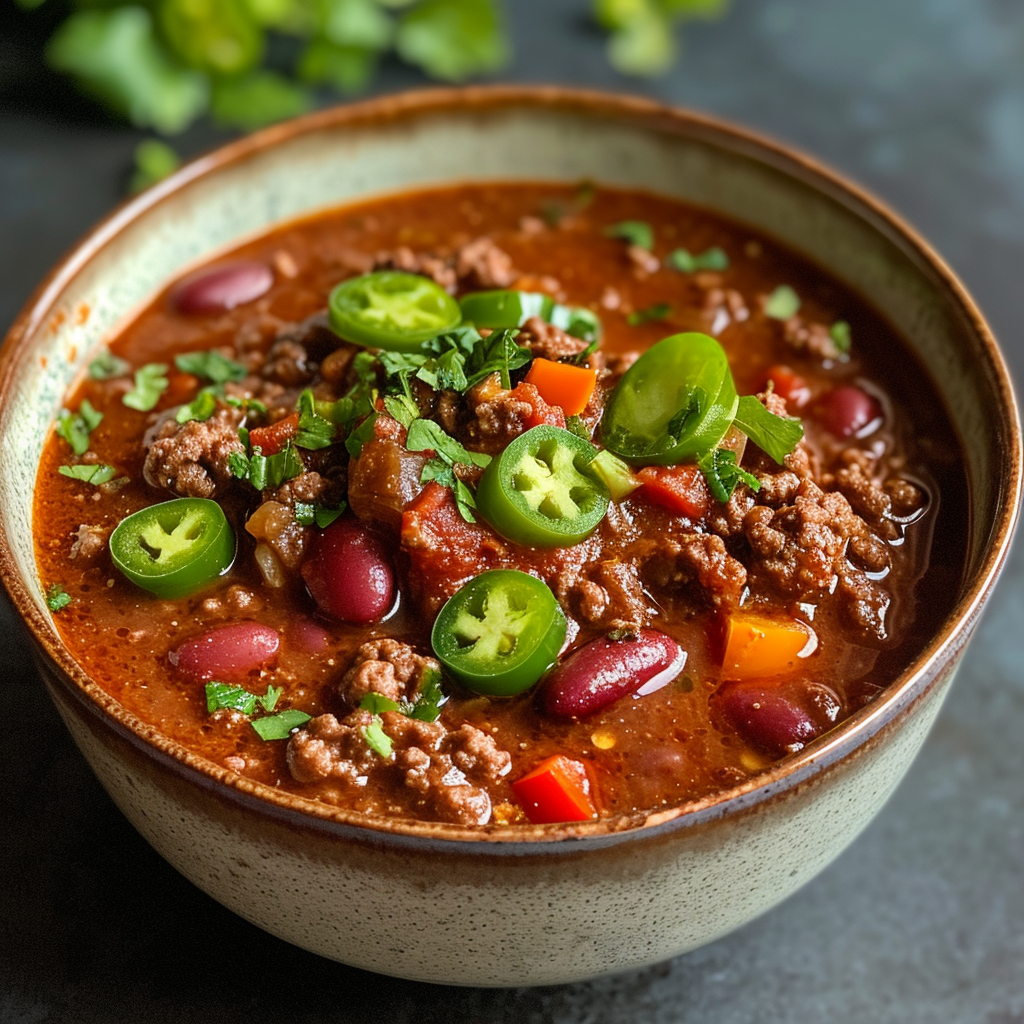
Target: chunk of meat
89	542
429	265
611	595
501	415
700	558
481	264
388	667
546	341
191	459
328	749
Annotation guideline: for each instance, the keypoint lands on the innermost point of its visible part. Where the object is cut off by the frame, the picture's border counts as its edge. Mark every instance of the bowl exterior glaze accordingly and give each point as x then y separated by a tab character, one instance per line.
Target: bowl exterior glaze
542	905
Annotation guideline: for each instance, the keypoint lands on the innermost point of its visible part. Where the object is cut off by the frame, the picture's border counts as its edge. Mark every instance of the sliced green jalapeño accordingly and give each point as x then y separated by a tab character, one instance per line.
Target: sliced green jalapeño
504	309
541	492
674	404
500	632
176	548
391	309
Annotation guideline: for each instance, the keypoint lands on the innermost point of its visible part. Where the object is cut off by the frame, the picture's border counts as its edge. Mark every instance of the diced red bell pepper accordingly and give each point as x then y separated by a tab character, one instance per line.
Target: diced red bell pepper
541	413
271	439
788	385
557	790
680	489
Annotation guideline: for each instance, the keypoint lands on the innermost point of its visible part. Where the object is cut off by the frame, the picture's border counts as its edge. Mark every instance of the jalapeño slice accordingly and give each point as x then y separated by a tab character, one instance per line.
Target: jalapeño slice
674	404
392	309
541	491
175	548
500	632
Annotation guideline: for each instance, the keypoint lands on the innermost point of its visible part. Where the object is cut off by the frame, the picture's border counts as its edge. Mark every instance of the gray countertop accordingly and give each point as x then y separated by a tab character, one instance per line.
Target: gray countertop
922	919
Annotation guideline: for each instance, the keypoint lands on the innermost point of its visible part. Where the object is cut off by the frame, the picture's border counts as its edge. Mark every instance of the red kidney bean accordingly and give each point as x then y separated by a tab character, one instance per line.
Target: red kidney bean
227	654
766	718
348	573
848	410
600	672
215	289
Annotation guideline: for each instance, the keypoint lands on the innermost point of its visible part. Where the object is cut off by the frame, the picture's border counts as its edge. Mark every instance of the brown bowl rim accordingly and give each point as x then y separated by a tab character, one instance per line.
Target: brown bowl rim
851	737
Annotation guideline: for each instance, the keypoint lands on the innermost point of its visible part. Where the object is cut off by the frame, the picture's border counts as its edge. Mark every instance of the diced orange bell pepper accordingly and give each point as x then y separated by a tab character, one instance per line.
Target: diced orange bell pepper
557	790
758	647
563	384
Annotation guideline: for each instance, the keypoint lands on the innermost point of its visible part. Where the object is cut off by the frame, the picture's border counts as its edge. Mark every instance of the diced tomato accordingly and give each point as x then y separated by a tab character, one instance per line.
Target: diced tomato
270	440
181	388
789	386
557	790
680	489
542	413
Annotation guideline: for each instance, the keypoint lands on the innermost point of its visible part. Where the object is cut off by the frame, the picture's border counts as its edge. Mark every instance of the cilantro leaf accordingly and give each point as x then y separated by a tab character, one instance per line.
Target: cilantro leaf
499	354
315	431
149	384
688	263
659	311
782	303
363	433
201	408
106	366
453	39
401	408
57	598
223	696
378	703
376	738
841	337
426	434
266	472
210	365
776	436
117	56
635	232
313	513
348	68
256	99
98	473
723	474
425	708
76	427
280	726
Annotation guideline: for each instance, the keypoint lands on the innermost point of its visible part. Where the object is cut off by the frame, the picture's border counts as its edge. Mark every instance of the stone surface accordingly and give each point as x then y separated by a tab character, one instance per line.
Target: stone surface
921	920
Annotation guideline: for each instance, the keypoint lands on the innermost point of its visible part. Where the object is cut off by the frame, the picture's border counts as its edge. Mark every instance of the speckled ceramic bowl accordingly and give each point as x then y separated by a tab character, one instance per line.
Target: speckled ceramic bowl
530	906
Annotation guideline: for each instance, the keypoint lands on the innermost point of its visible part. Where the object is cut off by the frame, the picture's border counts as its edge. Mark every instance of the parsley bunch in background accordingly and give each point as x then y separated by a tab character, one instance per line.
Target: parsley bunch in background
163	64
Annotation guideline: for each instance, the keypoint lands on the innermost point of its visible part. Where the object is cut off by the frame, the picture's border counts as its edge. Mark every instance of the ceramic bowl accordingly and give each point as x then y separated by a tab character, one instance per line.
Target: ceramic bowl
532	906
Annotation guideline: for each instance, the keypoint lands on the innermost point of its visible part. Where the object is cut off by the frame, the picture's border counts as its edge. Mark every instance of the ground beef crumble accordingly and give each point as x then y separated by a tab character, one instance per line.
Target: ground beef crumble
191	459
388	667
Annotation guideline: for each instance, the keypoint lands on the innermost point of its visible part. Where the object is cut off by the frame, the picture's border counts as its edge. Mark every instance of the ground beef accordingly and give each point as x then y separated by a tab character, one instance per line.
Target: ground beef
643	261
481	264
808	337
498	415
612	595
403	258
89	542
311	487
328	749
388	667
191	459
699	558
547	341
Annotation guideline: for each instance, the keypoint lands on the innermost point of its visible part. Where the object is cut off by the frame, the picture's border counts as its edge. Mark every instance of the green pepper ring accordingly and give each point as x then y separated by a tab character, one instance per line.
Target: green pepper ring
175	548
391	309
541	492
500	632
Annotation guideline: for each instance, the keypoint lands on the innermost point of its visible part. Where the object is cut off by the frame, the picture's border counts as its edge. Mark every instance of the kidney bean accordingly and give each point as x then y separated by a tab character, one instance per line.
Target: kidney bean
227	654
348	573
848	411
215	289
600	672
766	718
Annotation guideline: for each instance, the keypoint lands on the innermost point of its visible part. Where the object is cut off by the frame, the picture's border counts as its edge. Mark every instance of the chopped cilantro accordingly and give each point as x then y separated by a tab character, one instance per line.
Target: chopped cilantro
429	700
688	263
425	435
149	384
776	436
107	366
57	598
659	311
723	474
363	433
315	431
280	726
452	39
378	703
635	232
246	404
376	738
222	696
315	514
401	408
442	472
98	473
201	408
211	366
841	337
76	427
782	303
266	472
499	354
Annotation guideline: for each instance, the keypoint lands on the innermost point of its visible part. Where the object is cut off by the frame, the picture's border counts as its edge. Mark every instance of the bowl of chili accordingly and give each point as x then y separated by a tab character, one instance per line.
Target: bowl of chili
565	875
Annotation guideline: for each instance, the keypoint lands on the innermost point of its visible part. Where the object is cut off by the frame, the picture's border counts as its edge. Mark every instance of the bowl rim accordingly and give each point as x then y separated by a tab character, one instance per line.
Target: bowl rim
852	737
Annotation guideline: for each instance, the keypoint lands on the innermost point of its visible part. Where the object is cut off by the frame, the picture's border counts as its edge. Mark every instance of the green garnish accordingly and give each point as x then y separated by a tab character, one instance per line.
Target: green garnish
616	475
57	598
439	470
776	436
315	431
266	471
659	311
426	434
363	433
222	696
107	366
841	337
635	232
723	473
97	474
280	726
76	427
376	738
688	263
201	408
149	384
425	708
401	408
313	513
782	303
210	365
